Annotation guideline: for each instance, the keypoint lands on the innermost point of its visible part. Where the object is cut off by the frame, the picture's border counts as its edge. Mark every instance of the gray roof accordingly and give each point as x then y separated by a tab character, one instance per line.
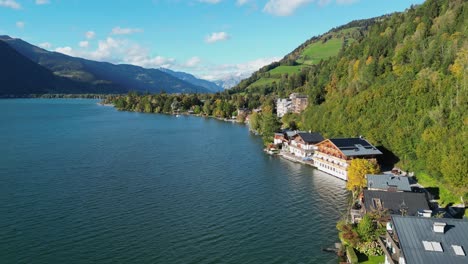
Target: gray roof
411	231
291	133
355	147
394	201
388	181
311	138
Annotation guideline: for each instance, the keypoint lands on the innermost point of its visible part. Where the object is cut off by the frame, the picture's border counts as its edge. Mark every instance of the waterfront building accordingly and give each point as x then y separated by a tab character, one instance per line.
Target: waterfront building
334	155
302	144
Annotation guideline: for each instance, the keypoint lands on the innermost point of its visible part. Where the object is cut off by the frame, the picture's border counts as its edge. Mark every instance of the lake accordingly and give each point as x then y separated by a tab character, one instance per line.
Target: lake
84	183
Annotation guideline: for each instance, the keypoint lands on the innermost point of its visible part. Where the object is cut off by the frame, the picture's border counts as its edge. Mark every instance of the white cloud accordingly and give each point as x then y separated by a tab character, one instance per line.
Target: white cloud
242	2
20	24
119	51
192	62
45	45
226	71
42	2
125	31
83	44
210	1
10	4
90	34
284	7
217	36
65	50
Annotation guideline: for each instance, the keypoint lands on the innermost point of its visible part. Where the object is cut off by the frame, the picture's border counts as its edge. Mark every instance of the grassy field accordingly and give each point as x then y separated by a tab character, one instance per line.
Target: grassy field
318	51
445	195
263	81
373	260
278	71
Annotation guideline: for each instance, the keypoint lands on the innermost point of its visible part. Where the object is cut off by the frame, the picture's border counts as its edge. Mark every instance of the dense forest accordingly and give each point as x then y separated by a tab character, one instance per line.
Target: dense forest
401	82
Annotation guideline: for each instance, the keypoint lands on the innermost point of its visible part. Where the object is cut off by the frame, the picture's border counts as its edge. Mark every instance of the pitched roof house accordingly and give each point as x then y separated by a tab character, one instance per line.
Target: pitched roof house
388	182
421	240
302	144
333	155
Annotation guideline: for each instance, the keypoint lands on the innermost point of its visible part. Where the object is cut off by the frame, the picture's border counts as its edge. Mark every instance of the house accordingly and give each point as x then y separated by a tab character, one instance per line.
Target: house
388	182
334	155
302	144
279	138
298	102
243	111
398	203
283	106
421	240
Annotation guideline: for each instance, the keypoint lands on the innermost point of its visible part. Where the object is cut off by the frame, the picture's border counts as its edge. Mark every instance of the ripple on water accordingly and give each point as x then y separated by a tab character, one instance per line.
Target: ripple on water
92	184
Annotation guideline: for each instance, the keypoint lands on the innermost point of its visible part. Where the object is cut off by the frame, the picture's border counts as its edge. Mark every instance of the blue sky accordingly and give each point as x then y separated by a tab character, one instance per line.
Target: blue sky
209	38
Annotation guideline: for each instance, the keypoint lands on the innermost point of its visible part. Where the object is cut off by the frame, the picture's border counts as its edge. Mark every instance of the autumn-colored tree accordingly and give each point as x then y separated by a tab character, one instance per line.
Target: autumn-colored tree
357	171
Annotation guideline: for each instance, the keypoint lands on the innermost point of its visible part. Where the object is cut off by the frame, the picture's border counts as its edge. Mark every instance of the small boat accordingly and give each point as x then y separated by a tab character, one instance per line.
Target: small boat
177	115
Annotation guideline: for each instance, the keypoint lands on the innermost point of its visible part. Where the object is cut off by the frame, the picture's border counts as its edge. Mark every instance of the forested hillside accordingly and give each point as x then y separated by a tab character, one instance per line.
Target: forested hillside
403	86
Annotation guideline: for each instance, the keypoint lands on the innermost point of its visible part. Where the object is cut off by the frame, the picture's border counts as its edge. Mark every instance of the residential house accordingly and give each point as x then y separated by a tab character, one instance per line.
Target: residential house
302	144
399	203
298	102
283	106
334	155
421	240
388	182
279	138
243	111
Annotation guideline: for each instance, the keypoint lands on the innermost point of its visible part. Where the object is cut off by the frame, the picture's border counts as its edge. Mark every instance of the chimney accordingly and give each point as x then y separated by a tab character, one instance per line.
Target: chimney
439	227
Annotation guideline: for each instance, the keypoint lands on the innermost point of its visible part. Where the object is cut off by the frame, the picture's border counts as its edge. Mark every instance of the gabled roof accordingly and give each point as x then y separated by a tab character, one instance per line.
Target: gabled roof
311	138
388	181
355	146
412	231
394	202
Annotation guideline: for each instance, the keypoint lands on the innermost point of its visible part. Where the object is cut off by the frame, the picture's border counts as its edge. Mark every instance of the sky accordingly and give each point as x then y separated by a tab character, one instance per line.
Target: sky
212	39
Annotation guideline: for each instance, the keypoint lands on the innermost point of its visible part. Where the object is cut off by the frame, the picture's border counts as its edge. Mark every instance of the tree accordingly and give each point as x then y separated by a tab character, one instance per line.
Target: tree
255	121
366	229
357	171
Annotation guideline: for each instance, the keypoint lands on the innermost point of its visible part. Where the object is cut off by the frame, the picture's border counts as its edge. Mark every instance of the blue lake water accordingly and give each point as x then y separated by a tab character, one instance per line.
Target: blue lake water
83	183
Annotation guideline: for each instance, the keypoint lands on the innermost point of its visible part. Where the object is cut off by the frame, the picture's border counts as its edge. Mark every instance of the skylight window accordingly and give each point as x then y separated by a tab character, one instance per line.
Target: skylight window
433	246
458	250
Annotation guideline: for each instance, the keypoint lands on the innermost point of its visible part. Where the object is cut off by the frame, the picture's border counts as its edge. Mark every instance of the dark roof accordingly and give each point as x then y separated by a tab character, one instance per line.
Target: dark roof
311	137
394	201
388	181
411	231
355	146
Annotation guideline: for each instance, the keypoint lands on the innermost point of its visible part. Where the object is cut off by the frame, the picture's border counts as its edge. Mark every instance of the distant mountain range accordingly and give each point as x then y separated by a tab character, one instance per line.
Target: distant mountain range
232	80
58	73
212	86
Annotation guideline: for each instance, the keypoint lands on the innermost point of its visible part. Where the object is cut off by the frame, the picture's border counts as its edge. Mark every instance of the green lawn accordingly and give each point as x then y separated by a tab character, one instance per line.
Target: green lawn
373	260
370	259
445	195
263	81
278	71
318	51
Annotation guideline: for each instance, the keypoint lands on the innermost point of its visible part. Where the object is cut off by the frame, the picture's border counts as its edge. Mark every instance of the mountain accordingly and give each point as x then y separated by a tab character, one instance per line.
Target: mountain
20	77
306	56
230	81
213	87
92	73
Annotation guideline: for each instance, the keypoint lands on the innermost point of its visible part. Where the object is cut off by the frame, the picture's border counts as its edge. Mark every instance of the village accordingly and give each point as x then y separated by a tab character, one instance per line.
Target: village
391	218
403	219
